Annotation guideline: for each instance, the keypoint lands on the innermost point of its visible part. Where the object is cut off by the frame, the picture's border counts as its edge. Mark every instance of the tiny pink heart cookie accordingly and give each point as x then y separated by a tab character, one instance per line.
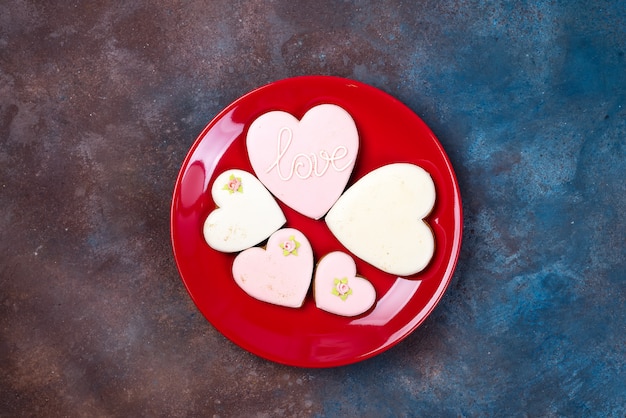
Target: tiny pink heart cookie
305	163
281	273
338	289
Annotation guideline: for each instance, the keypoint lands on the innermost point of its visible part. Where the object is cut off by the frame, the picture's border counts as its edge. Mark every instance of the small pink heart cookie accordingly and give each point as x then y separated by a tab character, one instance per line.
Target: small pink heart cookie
338	289
305	163
281	273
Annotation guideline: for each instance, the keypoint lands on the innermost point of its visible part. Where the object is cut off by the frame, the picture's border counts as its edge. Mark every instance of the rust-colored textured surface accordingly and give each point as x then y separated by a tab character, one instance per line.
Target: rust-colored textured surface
100	102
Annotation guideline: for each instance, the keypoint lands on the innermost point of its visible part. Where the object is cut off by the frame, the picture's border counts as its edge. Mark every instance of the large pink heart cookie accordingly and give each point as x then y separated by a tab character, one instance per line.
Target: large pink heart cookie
307	163
380	218
281	273
338	289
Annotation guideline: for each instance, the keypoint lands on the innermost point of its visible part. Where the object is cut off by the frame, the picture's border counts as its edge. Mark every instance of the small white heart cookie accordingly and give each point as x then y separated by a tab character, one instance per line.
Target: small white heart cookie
305	163
338	289
281	273
380	218
246	214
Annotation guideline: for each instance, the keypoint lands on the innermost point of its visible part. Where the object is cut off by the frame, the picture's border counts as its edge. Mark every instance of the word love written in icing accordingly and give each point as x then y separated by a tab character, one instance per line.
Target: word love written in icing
303	165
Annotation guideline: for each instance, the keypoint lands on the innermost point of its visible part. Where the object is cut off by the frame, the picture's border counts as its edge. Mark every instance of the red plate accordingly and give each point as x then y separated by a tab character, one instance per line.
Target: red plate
308	337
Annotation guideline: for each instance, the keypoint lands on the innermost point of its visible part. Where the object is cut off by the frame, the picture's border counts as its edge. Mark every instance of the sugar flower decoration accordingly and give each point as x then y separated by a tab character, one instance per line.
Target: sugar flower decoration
341	288
290	246
233	185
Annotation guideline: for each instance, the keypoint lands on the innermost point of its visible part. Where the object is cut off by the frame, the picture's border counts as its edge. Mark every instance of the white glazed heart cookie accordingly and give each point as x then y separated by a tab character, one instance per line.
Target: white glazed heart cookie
380	218
246	214
305	163
338	289
280	273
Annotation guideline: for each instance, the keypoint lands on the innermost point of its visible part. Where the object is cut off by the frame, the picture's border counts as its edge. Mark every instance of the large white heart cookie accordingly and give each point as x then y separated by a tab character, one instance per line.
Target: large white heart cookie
280	273
246	214
307	163
380	218
338	289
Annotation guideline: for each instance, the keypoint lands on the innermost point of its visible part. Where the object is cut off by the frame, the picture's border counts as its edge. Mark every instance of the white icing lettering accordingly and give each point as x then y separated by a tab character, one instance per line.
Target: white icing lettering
281	152
323	156
304	166
300	161
336	157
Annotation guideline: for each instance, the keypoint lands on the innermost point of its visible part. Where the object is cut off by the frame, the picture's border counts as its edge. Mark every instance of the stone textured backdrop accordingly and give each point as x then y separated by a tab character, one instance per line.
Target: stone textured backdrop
101	100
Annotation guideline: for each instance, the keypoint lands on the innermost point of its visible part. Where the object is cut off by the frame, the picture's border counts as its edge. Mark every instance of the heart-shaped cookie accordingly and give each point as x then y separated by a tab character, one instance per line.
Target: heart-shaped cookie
380	218
338	289
305	163
246	215
280	273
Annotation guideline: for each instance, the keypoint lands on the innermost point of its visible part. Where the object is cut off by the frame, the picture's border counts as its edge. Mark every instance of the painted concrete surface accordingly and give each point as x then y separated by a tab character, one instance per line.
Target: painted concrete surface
100	102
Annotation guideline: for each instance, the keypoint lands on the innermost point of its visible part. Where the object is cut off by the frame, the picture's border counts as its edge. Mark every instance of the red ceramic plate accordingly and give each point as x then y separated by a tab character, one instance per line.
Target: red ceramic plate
308	337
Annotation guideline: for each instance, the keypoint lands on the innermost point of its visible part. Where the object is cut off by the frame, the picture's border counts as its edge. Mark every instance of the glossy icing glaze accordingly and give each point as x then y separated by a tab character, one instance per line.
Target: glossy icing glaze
280	273
381	218
338	289
305	163
246	214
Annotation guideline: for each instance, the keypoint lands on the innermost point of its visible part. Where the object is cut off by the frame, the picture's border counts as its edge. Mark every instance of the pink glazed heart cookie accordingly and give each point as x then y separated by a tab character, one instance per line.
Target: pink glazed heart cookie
281	273
305	163
338	289
380	218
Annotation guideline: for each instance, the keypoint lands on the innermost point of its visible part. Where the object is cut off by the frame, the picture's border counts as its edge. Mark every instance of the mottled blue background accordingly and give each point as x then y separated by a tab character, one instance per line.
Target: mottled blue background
100	102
